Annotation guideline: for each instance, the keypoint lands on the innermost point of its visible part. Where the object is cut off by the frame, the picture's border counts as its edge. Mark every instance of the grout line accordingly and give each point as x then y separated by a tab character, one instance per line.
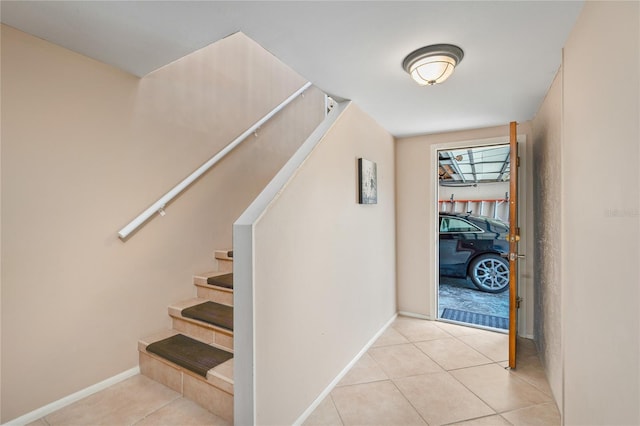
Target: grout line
555	406
520	379
471	366
474	393
478	418
335	407
409	401
364	383
159	408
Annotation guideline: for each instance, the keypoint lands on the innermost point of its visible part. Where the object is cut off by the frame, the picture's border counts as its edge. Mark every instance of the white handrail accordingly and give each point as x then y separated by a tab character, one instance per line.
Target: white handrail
158	206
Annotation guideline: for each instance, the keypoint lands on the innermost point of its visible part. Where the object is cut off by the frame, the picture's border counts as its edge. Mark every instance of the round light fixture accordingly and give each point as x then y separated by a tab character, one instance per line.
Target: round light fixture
432	64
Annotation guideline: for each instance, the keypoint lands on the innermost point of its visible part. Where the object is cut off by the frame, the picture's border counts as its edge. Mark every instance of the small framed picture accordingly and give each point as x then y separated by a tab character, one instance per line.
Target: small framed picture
367	182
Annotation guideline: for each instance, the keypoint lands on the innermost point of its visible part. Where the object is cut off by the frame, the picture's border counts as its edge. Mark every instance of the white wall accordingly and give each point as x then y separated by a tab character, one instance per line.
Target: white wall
85	148
601	216
484	191
416	211
547	162
323	271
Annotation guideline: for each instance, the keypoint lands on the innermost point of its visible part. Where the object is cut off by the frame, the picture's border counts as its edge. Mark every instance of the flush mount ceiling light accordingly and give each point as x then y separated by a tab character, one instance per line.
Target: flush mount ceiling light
432	64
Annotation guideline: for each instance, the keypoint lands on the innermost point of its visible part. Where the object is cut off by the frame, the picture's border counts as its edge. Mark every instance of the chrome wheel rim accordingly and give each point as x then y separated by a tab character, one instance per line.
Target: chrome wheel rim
491	274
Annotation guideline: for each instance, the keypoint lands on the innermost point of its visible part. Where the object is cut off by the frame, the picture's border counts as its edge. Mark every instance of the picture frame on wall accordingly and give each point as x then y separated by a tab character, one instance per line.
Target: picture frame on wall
367	182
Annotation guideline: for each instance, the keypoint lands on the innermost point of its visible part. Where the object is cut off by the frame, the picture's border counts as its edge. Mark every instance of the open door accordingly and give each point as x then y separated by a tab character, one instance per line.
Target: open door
514	237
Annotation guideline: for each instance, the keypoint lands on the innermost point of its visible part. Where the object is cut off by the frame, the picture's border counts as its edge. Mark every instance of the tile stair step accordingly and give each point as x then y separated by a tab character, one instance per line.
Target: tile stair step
218	294
213	391
224	254
201	330
213	313
189	353
224	260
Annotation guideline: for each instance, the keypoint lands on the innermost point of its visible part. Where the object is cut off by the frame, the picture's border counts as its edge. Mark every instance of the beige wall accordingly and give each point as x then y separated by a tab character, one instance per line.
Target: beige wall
85	148
547	164
600	216
0	234
323	270
416	212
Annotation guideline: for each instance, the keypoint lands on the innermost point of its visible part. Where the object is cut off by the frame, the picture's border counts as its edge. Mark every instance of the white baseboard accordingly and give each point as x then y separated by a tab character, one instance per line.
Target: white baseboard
68	400
344	371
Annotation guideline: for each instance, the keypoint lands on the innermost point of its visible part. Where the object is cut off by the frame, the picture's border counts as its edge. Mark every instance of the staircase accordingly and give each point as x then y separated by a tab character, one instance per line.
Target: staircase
195	357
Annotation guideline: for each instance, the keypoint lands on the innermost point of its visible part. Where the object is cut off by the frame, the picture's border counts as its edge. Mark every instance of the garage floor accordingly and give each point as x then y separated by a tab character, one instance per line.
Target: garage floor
461	294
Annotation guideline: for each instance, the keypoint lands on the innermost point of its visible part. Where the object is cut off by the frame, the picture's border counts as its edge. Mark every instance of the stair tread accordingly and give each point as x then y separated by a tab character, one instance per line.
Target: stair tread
223	371
225	280
224	254
156	337
211	313
189	353
200	280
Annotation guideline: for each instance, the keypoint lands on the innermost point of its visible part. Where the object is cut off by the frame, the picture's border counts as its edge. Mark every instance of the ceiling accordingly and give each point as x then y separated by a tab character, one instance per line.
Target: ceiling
350	49
473	166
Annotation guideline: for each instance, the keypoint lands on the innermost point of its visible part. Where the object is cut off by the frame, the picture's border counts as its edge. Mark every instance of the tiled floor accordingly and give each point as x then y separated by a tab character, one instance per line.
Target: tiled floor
136	401
433	373
418	372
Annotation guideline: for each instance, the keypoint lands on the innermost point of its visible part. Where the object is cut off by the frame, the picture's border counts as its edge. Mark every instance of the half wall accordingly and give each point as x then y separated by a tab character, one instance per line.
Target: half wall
320	268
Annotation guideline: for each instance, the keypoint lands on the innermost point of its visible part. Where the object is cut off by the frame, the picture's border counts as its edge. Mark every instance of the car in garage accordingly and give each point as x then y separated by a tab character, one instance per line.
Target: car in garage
475	247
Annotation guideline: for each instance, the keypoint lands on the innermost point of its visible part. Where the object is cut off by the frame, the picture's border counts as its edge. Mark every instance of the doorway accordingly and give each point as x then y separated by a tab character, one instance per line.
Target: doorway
473	248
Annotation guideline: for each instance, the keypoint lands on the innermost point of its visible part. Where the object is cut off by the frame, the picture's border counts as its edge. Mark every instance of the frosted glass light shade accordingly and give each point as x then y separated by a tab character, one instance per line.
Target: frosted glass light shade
432	64
432	70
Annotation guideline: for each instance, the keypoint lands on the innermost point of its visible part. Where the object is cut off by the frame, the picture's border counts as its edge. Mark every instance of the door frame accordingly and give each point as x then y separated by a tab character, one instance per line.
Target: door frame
433	261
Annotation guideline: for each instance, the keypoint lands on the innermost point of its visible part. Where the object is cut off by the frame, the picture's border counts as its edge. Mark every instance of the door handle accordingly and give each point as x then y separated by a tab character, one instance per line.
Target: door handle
514	256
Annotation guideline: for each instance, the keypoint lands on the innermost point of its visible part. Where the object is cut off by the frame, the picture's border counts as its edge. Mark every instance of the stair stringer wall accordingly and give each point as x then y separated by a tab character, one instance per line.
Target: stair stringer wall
314	270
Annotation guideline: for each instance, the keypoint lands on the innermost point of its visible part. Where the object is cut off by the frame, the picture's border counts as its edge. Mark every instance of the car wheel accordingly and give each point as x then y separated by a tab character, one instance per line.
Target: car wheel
490	273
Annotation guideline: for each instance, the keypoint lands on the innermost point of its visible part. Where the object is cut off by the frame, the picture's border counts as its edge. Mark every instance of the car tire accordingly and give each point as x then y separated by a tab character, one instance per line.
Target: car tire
490	273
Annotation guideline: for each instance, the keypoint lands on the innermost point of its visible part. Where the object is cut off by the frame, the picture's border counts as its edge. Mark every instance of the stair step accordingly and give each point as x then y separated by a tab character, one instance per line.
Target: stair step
221	376
224	260
206	332
189	353
224	280
215	293
212	313
213	392
224	254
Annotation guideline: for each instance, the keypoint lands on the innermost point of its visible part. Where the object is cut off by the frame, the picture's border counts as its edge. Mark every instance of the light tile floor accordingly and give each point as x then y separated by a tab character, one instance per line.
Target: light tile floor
135	401
434	373
417	373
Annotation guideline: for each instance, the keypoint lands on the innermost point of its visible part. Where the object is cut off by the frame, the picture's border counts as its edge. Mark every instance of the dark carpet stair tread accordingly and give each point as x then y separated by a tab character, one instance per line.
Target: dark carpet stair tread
189	353
211	313
225	281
